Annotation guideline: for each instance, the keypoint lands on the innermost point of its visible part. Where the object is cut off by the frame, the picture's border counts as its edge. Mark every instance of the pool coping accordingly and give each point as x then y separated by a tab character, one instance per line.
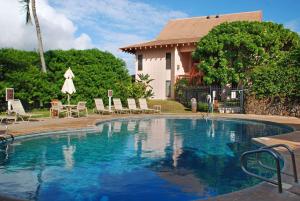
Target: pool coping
243	193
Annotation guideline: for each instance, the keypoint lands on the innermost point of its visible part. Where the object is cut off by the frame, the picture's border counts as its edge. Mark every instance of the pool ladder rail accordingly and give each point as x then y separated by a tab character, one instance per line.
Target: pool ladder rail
277	156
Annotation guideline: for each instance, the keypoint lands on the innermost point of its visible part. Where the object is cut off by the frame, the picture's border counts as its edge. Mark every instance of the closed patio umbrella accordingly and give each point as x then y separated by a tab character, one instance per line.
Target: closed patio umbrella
68	87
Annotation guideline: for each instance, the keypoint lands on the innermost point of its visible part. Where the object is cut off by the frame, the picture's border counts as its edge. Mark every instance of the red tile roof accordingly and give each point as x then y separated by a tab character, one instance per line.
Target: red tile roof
190	30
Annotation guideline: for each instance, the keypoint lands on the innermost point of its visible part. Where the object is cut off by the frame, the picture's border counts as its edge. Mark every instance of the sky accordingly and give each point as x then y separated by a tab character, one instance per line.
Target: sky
111	24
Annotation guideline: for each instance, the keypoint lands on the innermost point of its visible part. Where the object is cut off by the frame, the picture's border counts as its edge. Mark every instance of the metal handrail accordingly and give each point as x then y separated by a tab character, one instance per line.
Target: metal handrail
291	152
272	153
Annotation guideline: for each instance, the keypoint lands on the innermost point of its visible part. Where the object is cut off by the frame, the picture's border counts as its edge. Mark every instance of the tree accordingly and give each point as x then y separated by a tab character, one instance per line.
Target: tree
229	52
27	6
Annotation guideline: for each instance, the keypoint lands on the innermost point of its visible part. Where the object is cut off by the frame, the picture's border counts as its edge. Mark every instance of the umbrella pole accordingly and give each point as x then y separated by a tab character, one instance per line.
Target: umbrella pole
68	99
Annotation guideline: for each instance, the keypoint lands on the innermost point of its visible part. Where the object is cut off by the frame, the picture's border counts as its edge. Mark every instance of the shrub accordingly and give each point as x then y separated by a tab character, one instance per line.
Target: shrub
95	72
272	81
202	107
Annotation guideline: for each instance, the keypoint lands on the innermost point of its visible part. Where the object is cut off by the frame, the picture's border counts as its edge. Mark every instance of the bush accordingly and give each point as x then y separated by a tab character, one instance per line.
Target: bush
95	72
202	107
275	81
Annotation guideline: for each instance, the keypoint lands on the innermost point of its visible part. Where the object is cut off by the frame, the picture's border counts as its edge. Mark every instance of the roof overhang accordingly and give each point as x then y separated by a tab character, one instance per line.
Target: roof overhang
160	44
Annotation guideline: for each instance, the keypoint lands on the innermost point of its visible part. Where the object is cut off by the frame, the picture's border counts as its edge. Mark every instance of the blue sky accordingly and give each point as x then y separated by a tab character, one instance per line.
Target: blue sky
111	24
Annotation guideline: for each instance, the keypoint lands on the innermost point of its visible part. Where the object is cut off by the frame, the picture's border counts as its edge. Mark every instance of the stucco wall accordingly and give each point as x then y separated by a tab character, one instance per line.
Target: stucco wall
154	64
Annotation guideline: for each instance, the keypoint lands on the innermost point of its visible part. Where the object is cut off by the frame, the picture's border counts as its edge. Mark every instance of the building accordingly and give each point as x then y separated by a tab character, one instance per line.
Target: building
169	56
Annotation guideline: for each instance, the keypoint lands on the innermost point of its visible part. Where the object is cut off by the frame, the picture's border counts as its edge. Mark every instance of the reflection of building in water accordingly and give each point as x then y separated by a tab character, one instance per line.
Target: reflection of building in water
68	152
158	137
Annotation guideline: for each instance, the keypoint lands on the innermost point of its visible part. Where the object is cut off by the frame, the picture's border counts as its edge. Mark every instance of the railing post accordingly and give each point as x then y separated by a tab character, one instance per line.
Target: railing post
279	176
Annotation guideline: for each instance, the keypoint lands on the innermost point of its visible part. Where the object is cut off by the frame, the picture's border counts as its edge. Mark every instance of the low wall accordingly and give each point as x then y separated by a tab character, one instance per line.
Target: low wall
272	106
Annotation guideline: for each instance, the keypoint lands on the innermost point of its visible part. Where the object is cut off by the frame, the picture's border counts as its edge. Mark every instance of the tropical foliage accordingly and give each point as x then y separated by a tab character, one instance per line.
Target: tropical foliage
95	72
282	80
229	53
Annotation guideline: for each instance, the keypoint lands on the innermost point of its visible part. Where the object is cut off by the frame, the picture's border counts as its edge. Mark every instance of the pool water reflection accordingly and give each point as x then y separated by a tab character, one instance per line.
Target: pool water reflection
135	159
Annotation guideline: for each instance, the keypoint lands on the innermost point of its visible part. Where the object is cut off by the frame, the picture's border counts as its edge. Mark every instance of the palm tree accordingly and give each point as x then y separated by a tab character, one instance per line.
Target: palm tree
37	28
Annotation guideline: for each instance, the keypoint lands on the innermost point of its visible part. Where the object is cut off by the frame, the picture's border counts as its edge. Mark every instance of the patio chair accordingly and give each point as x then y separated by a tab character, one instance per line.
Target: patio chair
81	106
132	106
18	109
57	107
8	117
118	106
144	106
100	107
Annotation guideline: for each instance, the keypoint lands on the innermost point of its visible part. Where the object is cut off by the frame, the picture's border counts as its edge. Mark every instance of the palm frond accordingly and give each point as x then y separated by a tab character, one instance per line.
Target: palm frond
26	5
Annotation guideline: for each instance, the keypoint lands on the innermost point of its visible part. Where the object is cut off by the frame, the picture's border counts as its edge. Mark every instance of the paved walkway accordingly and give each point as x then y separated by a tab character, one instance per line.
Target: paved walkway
260	192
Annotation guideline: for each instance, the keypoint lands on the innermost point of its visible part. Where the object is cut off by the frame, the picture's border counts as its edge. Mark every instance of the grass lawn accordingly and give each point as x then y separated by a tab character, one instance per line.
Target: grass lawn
169	106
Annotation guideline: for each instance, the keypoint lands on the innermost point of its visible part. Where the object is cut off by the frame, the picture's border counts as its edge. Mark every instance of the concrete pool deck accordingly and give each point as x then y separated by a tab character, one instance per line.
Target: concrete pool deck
261	192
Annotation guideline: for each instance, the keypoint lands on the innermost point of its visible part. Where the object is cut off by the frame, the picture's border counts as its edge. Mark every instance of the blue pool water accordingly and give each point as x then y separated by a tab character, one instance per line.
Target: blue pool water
136	159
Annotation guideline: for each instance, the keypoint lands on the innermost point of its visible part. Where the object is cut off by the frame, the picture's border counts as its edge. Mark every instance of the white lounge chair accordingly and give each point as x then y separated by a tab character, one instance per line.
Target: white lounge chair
8	117
100	107
18	109
144	106
132	106
81	106
118	106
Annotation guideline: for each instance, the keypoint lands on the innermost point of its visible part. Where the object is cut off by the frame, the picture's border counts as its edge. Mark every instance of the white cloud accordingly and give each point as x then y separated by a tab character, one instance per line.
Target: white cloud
57	30
117	23
104	24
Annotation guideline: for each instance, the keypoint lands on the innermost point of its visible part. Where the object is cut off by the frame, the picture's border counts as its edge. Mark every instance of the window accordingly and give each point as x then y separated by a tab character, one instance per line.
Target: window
140	62
168	88
168	60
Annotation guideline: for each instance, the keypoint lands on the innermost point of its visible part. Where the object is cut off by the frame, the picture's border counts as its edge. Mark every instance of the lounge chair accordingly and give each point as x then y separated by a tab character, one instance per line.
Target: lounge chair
100	107
57	106
144	106
118	106
8	117
81	106
132	106
18	109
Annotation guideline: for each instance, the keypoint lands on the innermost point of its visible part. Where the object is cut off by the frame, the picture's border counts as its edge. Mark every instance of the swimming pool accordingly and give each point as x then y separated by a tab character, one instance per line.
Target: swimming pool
133	159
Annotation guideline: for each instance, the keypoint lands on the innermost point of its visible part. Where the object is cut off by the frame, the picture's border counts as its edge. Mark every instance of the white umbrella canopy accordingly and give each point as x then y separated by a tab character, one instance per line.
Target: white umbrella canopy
69	74
68	87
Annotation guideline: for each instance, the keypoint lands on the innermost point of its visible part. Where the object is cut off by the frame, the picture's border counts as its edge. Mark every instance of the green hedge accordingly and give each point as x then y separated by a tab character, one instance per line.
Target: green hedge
271	81
95	72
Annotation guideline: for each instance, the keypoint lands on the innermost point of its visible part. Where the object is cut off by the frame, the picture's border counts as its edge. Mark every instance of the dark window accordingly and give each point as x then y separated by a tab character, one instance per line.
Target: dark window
168	60
140	62
168	88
